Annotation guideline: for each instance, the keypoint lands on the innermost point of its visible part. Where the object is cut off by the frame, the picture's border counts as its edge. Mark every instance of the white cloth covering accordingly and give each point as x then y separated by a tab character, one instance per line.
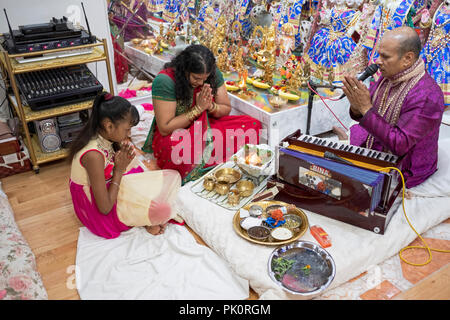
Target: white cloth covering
353	249
138	265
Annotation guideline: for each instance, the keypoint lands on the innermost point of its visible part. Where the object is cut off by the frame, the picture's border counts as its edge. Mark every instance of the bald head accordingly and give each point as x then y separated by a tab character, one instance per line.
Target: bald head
407	40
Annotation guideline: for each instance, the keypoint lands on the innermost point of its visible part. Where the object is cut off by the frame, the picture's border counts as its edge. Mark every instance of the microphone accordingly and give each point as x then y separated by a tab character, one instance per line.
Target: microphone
370	71
332	156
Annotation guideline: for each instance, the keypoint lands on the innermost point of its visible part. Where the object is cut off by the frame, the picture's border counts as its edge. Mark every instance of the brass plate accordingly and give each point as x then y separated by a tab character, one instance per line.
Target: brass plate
264	204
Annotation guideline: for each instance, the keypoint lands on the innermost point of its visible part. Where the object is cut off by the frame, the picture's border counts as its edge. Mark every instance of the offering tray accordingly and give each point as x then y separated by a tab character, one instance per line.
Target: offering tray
198	188
297	232
302	268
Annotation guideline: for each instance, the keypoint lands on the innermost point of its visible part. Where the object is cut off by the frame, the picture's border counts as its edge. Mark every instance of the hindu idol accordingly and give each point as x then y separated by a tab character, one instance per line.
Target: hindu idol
388	15
358	60
436	52
331	46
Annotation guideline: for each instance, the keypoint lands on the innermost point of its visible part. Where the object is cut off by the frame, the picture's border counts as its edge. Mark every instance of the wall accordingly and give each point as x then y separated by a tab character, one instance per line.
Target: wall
22	12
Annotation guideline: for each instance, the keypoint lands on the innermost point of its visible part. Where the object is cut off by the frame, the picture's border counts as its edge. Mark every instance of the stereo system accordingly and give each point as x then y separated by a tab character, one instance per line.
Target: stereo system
55	87
59	132
56	34
47	131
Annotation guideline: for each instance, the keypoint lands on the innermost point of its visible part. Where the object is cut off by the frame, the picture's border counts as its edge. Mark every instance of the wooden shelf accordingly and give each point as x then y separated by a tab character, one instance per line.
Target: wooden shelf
97	54
31	115
10	66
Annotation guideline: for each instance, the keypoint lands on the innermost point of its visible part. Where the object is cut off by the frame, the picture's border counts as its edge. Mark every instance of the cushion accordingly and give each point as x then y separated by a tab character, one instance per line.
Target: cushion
19	278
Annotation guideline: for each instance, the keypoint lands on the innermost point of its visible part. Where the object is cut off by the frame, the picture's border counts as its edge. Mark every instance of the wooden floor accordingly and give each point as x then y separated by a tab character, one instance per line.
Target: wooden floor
43	211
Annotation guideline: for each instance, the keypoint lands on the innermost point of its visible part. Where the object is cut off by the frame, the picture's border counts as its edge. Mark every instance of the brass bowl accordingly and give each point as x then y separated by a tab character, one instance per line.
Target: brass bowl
222	187
245	188
277	101
259	233
228	175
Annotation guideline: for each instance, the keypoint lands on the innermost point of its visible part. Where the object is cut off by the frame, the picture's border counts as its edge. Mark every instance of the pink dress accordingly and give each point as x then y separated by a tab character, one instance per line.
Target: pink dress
103	225
144	197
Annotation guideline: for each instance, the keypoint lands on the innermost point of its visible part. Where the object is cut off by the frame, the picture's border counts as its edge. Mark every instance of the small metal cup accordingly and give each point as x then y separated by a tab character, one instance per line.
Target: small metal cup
209	183
234	197
222	187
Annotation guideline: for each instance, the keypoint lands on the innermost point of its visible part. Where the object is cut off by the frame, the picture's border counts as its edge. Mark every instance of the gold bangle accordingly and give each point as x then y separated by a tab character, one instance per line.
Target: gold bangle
190	115
194	113
214	108
118	186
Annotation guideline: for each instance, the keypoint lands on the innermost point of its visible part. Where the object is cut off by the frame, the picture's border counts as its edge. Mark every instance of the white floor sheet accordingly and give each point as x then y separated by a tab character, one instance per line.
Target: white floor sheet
354	250
138	265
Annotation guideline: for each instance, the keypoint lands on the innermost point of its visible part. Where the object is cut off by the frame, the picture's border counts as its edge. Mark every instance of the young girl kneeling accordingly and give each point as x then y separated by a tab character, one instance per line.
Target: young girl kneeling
111	191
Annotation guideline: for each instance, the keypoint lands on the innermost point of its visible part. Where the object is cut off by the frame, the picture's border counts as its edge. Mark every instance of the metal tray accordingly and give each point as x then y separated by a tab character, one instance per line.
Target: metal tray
300	231
221	200
311	271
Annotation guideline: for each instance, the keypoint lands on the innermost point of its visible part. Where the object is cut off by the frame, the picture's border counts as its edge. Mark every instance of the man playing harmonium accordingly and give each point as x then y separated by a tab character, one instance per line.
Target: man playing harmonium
401	112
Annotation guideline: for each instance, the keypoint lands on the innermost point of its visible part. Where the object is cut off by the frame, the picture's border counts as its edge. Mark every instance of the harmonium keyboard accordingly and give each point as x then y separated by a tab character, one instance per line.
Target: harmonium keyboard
337	180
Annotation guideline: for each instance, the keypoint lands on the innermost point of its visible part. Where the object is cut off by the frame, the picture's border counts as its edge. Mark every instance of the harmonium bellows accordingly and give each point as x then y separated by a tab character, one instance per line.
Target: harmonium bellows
337	180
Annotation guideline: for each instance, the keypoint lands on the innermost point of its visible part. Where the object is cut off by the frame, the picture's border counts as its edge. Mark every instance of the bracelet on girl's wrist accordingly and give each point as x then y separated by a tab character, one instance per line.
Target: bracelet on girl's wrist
113	182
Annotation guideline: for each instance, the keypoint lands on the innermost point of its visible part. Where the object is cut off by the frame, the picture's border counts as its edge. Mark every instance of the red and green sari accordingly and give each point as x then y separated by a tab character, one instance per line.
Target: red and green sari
193	151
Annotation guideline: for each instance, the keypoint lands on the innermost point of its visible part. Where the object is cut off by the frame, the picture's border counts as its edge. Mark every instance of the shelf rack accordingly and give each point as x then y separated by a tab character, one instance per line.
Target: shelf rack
10	67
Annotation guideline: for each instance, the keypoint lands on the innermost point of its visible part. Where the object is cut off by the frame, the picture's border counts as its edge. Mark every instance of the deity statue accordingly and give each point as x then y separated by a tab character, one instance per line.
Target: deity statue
388	15
358	60
331	46
331	75
319	72
268	62
307	70
161	31
219	36
297	80
270	38
286	41
305	29
222	59
236	29
300	76
436	51
291	12
424	17
238	58
171	10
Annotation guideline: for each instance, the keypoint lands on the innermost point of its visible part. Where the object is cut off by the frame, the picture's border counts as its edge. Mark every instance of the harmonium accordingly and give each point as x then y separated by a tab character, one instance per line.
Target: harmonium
337	180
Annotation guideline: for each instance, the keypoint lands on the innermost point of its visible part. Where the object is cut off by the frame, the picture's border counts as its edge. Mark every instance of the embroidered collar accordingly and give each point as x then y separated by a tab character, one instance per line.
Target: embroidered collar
106	147
103	142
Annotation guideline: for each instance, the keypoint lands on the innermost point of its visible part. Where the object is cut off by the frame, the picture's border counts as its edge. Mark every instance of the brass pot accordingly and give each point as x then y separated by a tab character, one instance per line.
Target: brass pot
245	188
209	183
234	197
222	187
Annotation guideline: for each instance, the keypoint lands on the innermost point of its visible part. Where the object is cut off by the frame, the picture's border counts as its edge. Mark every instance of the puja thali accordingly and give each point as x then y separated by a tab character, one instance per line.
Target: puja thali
254	228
